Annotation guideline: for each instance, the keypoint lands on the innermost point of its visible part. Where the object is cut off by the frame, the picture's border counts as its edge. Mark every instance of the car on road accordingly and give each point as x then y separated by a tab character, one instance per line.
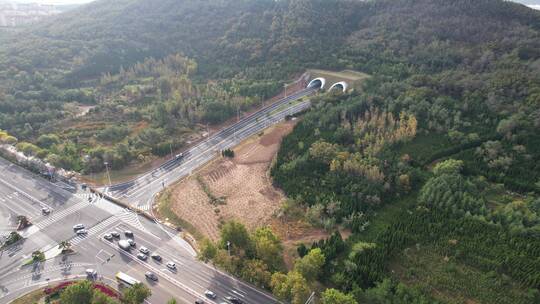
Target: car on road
115	234
142	256
210	294
108	237
144	250
82	232
45	211
234	300
91	272
124	245
156	256
150	275
131	242
179	156
78	227
171	265
128	233
199	301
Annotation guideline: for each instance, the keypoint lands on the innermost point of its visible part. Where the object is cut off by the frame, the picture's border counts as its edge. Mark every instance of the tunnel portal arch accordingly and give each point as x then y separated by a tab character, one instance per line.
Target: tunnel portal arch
317	82
340	85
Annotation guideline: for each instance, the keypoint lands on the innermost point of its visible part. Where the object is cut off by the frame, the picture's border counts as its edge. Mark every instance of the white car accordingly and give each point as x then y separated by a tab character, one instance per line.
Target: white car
78	227
45	211
108	236
91	272
171	265
144	250
210	294
82	231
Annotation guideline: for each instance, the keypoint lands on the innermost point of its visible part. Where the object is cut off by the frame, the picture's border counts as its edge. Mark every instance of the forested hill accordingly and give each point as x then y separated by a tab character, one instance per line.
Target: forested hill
247	48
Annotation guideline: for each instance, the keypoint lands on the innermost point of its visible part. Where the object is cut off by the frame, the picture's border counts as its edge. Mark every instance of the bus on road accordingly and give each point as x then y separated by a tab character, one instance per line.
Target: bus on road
126	279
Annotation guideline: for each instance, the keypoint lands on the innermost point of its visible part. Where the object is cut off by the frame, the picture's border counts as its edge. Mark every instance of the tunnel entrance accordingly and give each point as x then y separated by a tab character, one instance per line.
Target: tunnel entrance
342	85
317	83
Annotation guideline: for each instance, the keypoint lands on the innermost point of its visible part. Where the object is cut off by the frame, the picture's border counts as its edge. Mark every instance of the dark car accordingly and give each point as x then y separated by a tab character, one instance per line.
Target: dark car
234	300
150	275
199	301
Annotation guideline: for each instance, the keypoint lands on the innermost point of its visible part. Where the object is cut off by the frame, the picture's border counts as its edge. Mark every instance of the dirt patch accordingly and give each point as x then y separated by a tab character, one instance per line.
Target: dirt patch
242	182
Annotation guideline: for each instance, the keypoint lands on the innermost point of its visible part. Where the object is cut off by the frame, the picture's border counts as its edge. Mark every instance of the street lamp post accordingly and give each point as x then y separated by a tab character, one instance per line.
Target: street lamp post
108	175
229	248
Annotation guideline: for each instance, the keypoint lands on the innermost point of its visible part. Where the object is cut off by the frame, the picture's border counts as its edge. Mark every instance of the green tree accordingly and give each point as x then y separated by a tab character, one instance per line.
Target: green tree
136	294
290	287
207	250
65	246
256	272
334	296
449	166
238	236
268	247
310	266
78	293
172	301
38	256
100	298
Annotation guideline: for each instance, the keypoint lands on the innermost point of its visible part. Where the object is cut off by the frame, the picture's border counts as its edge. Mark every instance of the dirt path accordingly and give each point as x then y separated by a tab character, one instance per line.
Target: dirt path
242	183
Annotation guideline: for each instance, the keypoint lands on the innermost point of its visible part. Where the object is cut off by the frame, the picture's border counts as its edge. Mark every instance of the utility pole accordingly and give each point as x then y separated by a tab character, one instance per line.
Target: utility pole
311	298
108	175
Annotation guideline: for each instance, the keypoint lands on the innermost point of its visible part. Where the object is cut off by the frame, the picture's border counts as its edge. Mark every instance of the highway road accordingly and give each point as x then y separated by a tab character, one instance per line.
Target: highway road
140	191
22	193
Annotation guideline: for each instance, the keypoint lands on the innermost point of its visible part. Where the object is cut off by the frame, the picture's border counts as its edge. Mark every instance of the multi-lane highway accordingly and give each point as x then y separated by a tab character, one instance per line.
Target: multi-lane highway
23	193
140	191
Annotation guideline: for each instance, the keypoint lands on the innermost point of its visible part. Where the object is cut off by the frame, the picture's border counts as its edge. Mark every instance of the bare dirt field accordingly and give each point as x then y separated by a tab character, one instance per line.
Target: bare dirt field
242	183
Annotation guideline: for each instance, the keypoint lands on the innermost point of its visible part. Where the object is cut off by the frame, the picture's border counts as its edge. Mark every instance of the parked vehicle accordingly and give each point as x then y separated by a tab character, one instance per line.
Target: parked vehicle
144	250
171	265
115	234
82	232
45	211
78	227
142	256
128	233
156	256
131	242
108	237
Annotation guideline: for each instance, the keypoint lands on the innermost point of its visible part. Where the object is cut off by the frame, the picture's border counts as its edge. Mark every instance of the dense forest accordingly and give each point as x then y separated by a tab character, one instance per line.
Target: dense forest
434	166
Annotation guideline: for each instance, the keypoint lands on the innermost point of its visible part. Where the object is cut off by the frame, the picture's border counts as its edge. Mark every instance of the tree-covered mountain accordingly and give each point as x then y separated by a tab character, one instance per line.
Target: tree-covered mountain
434	165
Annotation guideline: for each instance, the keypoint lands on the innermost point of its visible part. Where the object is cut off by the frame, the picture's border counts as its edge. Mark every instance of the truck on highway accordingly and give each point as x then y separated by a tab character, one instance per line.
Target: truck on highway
124	244
126	279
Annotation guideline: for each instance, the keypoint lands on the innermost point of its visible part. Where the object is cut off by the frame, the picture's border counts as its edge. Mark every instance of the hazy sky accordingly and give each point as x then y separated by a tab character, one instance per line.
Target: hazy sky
532	3
57	1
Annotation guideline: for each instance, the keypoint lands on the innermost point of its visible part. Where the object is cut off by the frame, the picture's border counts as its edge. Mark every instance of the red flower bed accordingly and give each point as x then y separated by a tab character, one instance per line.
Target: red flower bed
108	291
58	287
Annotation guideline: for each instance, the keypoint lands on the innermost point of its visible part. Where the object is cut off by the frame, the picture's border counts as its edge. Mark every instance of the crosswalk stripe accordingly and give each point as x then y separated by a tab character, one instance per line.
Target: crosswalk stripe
94	230
56	216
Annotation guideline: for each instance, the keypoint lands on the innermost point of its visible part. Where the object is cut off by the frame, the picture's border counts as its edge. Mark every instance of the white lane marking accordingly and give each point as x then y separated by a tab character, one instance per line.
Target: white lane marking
162	274
245	129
